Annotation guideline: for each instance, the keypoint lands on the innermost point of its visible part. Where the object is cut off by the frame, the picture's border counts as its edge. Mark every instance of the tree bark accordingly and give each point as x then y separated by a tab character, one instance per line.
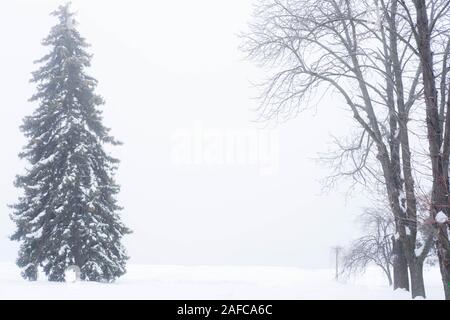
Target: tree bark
443	255
417	283
400	266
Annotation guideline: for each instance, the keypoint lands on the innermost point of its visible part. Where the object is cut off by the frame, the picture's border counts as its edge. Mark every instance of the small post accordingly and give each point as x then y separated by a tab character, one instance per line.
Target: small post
337	251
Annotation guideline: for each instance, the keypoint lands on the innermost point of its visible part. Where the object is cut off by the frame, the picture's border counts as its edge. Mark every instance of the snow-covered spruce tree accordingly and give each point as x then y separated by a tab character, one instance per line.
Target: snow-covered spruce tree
68	214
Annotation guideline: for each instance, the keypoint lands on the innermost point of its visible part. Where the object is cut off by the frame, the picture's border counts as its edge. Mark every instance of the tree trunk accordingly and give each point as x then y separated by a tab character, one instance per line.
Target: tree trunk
417	283
443	261
388	275
439	161
400	266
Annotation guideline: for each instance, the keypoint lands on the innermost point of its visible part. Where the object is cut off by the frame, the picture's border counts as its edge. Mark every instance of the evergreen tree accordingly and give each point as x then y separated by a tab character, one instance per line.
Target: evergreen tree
68	214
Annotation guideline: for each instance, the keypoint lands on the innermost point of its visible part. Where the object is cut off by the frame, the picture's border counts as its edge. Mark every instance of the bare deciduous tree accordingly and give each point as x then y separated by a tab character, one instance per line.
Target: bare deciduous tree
372	66
375	247
429	22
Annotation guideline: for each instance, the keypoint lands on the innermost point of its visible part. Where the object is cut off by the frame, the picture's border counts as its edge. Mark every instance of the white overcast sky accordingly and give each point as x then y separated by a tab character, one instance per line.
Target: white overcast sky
171	71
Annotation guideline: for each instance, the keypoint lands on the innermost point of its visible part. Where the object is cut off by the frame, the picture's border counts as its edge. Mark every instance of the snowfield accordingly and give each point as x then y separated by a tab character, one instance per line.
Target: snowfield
227	283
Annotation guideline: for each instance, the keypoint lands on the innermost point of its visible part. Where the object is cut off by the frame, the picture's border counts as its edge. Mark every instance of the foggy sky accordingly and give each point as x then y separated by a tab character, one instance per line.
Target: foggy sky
175	85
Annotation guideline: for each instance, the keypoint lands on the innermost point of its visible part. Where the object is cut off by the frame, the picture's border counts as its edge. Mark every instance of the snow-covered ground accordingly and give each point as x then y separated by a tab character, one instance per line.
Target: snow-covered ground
228	283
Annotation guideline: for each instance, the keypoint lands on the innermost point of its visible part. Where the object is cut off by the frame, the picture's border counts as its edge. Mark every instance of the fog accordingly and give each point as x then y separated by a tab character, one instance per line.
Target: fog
202	182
